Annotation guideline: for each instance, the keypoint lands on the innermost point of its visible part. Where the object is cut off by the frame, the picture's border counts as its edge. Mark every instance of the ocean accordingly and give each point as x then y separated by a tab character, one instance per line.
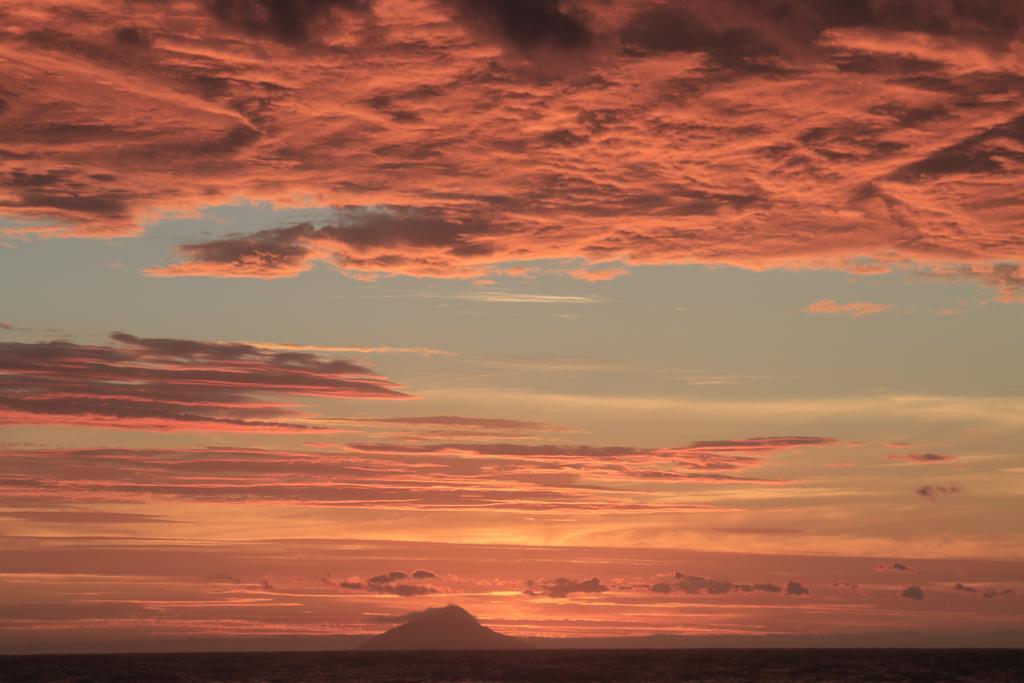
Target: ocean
874	666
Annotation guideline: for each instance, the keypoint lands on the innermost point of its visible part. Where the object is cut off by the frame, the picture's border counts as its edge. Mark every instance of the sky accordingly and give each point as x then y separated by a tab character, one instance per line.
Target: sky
595	318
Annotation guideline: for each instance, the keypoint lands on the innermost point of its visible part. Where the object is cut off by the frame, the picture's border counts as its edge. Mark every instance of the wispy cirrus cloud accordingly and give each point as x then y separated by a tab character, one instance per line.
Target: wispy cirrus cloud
324	479
920	458
703	462
325	348
722	455
481	423
523	298
428	477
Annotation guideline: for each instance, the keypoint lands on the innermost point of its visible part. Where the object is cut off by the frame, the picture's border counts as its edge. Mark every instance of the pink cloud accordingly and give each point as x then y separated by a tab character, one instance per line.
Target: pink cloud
173	384
644	132
324	479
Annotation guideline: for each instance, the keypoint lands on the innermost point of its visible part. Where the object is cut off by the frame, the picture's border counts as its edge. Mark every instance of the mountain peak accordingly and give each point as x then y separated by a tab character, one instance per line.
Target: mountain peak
442	628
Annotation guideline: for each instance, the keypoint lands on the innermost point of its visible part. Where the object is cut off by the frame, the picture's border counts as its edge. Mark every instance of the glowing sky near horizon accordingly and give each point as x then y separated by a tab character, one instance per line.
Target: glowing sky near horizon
607	318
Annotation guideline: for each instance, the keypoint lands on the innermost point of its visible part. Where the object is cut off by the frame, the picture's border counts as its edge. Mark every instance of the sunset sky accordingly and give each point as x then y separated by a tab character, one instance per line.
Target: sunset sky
608	317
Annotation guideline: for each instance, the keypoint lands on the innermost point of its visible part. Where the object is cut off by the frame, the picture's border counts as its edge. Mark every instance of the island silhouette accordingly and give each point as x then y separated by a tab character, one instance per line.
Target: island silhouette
442	628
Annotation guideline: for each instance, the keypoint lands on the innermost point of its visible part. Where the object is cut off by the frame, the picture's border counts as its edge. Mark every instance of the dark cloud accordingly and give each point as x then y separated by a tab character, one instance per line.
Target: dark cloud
689	583
676	27
275	251
743	33
407	590
527	24
797	588
563	138
995	151
893	567
694	585
562	587
920	457
369	240
912	593
933	492
387	583
423	574
171	384
794	24
63	192
287	21
764	587
131	36
988	593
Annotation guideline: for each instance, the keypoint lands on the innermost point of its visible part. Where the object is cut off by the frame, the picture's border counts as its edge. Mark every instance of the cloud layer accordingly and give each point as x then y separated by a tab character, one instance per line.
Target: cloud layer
457	135
481	477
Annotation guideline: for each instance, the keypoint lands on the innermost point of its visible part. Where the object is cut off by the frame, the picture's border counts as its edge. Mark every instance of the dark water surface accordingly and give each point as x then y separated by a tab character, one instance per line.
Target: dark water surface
536	665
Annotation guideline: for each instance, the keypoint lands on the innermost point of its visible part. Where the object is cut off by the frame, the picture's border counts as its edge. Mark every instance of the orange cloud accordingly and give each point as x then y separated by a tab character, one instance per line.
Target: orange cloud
854	309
